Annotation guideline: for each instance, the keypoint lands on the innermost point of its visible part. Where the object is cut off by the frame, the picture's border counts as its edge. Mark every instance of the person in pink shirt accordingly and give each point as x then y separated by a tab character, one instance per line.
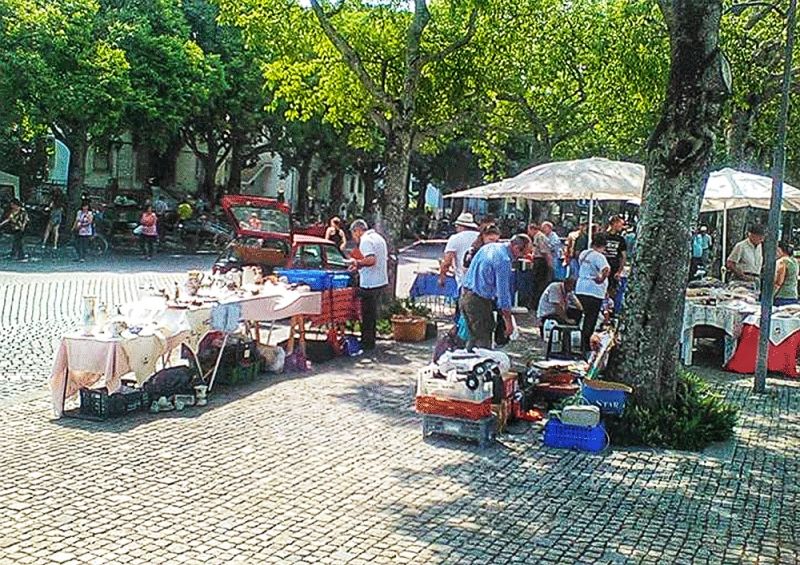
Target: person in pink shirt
149	232
84	230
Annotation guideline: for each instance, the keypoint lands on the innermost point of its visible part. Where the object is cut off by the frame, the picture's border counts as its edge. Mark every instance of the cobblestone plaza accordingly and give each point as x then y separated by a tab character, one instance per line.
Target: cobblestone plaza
330	467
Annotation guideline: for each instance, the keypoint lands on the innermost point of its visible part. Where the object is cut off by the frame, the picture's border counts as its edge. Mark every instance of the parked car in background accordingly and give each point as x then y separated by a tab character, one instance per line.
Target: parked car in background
265	236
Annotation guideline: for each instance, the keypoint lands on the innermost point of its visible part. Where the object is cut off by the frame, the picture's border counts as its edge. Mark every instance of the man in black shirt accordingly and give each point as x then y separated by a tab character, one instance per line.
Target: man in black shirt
616	252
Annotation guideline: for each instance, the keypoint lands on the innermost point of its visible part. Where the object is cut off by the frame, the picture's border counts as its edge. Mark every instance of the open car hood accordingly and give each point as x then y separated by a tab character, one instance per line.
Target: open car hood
256	216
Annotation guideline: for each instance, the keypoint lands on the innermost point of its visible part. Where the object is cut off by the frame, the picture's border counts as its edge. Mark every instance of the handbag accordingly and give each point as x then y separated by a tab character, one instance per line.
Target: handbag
138	230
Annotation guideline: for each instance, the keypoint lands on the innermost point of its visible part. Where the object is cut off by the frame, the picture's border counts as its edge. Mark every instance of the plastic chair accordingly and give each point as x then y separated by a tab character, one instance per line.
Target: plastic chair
561	345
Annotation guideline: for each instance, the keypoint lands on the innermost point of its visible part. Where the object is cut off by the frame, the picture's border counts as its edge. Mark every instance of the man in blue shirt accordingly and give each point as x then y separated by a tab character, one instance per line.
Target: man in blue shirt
488	281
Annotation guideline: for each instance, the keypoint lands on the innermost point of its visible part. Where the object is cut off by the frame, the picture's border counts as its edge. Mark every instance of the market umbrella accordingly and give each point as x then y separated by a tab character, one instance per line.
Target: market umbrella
486	191
591	179
583	179
728	189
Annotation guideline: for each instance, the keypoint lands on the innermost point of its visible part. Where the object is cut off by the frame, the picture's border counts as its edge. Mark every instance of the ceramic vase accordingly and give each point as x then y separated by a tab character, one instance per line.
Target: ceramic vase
89	303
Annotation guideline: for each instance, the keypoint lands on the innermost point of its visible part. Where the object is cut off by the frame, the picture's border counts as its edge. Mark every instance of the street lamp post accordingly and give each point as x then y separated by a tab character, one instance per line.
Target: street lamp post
774	220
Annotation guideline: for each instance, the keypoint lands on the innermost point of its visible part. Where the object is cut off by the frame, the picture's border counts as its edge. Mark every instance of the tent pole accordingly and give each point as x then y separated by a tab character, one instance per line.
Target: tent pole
591	222
723	269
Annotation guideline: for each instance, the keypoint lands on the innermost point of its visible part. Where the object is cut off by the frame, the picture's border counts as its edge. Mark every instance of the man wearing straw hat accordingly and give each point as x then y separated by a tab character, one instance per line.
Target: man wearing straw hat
456	249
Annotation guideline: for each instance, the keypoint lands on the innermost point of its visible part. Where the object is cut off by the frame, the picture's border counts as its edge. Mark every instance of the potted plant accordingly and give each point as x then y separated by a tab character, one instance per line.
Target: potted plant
408	321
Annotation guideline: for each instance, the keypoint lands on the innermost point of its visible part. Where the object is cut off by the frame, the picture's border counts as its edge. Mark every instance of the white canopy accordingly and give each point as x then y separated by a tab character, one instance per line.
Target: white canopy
729	189
603	179
487	191
596	178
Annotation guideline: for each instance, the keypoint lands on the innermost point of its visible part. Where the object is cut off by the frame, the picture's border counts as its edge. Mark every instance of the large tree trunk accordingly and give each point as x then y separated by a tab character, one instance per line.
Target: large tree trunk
395	185
368	176
208	187
336	197
76	176
237	162
395	195
678	162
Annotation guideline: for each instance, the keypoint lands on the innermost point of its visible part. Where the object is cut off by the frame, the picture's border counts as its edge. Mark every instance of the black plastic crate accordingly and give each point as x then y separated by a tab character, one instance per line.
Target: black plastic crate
239	352
96	403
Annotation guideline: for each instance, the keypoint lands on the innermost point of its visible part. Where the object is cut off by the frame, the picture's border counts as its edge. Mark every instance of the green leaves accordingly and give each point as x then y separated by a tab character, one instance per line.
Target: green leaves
698	417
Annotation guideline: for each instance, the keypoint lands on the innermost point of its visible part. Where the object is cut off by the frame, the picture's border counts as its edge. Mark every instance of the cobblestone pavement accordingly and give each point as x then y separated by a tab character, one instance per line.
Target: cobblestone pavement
330	467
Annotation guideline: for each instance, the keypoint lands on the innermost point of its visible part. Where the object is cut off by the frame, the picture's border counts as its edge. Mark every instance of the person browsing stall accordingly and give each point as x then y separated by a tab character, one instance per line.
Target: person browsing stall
559	303
148	232
592	284
489	281
489	233
616	252
701	244
372	267
17	219
786	270
84	229
335	233
456	249
746	258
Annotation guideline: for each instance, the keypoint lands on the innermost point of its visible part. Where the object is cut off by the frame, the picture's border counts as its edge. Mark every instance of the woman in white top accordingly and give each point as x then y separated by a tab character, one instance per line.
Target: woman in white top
592	284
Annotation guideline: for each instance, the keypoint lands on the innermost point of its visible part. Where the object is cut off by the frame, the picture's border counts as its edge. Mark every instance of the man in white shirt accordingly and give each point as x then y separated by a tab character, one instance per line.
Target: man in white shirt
559	303
745	261
373	277
456	249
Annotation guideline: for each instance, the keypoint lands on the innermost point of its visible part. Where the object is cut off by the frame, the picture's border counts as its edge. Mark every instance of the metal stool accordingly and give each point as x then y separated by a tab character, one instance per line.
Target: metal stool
559	343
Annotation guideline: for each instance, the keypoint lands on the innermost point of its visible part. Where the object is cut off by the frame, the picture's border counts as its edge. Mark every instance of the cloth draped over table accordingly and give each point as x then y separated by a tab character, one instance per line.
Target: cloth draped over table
427	284
81	360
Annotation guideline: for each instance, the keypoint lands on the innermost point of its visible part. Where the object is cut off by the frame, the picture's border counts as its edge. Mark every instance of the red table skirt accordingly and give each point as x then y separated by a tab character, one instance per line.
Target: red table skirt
780	358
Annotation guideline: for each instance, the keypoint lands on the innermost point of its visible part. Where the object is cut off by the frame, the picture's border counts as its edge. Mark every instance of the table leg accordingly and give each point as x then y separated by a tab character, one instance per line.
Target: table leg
686	344
219	360
64	394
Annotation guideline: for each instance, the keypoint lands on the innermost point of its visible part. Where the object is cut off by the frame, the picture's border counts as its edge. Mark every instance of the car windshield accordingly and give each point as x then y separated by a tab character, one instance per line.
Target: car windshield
261	219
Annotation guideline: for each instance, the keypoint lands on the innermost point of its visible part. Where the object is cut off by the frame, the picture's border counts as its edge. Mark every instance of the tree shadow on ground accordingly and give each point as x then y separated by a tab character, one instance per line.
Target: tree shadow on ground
530	503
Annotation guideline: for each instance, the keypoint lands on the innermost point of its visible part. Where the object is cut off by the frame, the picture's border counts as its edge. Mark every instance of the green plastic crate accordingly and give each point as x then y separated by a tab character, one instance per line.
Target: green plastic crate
238	374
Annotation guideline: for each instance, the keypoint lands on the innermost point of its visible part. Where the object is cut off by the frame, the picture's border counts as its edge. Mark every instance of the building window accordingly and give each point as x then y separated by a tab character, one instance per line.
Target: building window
100	160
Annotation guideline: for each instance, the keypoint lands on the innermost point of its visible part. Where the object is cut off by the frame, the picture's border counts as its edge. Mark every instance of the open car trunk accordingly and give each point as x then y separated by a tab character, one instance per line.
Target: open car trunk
263	229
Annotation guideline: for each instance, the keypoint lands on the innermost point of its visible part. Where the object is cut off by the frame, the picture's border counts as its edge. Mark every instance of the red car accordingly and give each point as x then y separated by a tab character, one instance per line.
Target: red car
264	236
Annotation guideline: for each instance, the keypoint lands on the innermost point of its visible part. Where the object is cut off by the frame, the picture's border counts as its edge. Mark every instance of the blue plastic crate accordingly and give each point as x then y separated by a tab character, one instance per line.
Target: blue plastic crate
340	280
561	435
608	401
316	278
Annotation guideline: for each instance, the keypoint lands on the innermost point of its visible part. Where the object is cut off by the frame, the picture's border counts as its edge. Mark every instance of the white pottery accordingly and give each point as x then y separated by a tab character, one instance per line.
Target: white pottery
88	317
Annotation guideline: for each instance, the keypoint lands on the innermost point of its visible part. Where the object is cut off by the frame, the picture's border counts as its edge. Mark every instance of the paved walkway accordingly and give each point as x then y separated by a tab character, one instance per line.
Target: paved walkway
330	467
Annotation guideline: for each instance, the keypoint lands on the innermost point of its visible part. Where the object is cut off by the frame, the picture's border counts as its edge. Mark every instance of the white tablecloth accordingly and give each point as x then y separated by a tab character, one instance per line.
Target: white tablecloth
728	319
731	319
82	360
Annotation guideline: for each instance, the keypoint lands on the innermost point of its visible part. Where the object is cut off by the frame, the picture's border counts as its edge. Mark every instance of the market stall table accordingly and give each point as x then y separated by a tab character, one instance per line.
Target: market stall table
726	316
82	360
784	343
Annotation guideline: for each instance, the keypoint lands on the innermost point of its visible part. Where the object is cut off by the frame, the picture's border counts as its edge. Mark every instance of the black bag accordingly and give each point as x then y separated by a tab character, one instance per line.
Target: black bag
500	337
174	380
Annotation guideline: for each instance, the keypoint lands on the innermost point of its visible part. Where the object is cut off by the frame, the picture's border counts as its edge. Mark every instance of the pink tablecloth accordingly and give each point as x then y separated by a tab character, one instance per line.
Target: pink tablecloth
81	361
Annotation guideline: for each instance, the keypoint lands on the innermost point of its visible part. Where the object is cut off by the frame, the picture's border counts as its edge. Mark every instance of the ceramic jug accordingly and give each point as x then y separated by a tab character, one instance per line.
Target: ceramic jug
89	303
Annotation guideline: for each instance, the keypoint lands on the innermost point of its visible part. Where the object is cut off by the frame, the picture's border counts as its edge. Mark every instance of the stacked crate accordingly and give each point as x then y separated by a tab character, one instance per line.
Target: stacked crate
449	407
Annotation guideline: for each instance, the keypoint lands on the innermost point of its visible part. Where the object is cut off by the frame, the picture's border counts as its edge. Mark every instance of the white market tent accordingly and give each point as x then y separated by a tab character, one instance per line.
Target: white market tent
602	179
583	179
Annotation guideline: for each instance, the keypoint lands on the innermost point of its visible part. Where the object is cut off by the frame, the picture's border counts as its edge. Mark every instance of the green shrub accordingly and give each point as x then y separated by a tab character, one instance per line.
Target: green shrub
699	417
405	307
